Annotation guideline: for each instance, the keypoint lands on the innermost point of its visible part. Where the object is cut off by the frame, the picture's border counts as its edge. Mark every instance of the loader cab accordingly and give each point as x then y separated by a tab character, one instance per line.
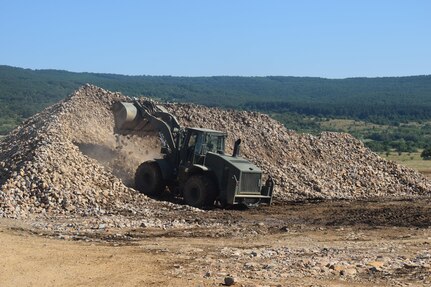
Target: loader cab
198	142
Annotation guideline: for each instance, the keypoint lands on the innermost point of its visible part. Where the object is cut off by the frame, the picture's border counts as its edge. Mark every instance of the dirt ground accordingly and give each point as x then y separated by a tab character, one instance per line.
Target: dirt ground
342	243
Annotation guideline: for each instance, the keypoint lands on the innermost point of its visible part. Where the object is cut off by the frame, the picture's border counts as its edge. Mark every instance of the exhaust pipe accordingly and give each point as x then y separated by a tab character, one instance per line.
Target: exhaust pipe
236	148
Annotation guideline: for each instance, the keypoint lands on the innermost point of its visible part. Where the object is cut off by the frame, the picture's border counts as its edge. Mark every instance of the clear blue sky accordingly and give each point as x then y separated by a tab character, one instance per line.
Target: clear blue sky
332	39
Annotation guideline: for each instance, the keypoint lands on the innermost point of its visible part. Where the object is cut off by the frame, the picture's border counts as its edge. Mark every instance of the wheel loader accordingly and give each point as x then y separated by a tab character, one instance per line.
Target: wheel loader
194	164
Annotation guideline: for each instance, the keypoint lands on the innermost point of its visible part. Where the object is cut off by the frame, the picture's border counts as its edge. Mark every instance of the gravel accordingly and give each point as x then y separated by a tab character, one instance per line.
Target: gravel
66	160
328	166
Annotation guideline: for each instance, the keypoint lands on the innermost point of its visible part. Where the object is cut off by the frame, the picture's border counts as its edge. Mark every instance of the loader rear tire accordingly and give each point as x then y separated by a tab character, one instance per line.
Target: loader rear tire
200	191
149	179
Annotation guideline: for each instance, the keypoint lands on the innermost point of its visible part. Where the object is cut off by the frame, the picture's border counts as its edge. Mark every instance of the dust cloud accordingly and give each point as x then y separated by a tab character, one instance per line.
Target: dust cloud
117	153
121	155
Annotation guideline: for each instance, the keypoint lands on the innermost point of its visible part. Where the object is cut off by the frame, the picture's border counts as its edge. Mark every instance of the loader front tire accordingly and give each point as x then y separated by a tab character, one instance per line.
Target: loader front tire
148	179
200	191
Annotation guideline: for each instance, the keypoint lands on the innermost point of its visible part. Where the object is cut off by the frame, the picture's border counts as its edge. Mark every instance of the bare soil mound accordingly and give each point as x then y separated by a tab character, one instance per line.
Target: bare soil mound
67	159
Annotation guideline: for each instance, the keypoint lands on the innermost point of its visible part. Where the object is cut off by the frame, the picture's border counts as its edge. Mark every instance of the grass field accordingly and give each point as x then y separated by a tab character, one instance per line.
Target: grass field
353	125
412	160
346	125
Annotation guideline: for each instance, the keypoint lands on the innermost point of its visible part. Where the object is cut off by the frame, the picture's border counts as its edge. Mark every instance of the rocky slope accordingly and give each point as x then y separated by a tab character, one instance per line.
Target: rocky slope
328	166
67	160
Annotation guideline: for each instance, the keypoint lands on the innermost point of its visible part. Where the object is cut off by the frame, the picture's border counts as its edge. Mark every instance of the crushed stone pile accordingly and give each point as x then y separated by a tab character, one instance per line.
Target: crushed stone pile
328	166
67	160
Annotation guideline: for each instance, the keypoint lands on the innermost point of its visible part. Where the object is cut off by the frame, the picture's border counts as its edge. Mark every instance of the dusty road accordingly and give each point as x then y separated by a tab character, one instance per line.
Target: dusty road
302	244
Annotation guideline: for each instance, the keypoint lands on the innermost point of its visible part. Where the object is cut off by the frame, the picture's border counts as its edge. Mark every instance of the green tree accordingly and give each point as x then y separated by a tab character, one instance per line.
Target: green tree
426	153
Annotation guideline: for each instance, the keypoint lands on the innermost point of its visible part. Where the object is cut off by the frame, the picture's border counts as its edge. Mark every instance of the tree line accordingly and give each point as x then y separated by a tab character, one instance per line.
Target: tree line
385	101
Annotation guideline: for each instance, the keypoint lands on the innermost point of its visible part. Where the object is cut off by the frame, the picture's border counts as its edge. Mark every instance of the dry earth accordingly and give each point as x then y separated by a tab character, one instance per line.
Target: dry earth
342	216
300	244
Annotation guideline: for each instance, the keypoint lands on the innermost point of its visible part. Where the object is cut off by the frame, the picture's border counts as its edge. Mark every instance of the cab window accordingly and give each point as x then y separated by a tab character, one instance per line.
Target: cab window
215	143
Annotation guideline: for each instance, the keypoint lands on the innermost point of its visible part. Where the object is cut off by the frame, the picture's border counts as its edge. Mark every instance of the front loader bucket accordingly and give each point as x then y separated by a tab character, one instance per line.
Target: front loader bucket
128	118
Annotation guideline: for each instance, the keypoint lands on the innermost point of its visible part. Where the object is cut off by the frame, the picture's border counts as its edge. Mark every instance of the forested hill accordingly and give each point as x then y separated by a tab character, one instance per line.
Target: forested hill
24	92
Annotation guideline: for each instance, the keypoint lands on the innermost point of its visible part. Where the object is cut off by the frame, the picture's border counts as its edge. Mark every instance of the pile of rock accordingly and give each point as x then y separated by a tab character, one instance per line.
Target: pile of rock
328	166
67	159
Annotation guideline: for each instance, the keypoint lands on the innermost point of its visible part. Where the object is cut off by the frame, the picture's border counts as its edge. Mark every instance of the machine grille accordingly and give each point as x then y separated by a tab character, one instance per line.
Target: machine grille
250	182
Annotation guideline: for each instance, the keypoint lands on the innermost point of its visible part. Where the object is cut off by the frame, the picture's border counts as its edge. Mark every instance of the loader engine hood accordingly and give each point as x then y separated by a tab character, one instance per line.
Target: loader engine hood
239	180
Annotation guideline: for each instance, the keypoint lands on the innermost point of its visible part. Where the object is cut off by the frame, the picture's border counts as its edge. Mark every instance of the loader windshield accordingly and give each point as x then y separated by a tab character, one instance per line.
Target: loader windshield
214	143
200	141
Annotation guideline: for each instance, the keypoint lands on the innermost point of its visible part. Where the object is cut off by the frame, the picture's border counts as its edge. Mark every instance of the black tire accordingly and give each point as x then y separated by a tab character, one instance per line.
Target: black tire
149	179
200	191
